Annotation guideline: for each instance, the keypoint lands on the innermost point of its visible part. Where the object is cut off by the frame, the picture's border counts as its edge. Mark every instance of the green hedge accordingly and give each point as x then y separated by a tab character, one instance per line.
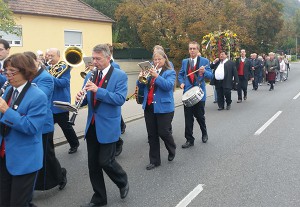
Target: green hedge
132	53
293	58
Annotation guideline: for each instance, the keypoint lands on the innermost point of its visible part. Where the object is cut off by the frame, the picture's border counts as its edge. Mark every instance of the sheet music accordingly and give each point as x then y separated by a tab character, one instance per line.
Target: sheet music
65	106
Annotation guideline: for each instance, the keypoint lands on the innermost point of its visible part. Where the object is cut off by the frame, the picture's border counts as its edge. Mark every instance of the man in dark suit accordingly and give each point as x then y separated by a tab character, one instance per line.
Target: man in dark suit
106	93
255	67
224	72
244	71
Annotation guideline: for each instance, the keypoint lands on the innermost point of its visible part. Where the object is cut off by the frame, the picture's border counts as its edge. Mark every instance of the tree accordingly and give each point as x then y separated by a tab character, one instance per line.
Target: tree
7	22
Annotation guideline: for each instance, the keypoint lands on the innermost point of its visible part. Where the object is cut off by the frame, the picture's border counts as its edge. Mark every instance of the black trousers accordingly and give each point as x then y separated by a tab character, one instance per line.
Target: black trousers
62	120
242	86
122	123
51	174
221	93
198	112
102	157
255	81
159	125
15	190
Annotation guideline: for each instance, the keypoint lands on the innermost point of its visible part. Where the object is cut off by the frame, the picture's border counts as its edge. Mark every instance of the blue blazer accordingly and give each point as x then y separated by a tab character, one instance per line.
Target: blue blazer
163	100
108	112
2	80
182	78
44	81
61	90
23	143
115	65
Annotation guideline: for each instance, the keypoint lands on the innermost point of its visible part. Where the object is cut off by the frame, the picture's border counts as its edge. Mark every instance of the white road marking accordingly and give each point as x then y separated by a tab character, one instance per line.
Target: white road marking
193	194
296	96
261	129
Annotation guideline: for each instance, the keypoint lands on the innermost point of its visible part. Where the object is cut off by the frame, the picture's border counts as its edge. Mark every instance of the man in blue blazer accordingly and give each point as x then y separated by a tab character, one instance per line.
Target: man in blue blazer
4	52
62	93
23	113
188	66
52	174
106	93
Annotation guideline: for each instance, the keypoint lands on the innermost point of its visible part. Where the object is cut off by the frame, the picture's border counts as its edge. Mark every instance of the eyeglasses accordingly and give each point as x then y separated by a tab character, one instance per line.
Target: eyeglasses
10	72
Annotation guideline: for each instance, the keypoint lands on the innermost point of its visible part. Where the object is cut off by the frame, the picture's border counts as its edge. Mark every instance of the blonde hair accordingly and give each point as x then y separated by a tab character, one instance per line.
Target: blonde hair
167	64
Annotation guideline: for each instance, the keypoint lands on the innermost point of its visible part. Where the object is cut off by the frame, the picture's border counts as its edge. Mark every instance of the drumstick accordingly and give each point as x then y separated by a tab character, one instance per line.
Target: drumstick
196	70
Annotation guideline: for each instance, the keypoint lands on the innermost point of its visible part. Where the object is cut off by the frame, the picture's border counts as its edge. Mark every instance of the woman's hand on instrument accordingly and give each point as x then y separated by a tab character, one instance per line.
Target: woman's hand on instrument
90	86
182	85
3	105
153	72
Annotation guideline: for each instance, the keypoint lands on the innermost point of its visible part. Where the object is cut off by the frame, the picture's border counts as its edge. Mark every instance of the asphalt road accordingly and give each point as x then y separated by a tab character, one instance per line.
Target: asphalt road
236	167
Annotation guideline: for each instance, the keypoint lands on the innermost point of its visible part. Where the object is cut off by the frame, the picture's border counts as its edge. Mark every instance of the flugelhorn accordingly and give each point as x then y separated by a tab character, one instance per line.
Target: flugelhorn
78	104
146	74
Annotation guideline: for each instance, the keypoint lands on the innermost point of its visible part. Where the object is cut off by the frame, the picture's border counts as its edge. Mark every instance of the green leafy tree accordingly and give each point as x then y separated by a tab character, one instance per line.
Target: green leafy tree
7	22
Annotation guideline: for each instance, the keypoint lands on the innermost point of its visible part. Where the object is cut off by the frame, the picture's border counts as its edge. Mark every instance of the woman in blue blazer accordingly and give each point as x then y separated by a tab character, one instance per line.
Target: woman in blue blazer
23	113
158	107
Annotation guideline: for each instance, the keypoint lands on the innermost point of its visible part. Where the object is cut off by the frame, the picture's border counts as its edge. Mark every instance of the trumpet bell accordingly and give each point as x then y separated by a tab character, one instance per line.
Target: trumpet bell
143	80
74	56
83	74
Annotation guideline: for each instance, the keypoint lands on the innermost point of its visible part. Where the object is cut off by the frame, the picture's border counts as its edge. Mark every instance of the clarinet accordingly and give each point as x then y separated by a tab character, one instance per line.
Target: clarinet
2	90
78	104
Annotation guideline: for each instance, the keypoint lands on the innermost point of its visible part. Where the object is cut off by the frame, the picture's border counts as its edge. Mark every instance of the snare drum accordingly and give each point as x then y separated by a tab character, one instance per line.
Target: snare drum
192	96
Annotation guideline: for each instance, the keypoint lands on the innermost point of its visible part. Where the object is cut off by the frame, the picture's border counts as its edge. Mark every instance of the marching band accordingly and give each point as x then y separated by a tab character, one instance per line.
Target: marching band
30	113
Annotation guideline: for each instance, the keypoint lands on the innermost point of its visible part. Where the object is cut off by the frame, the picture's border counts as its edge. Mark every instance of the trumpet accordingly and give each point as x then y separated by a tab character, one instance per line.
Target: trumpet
78	104
146	74
84	73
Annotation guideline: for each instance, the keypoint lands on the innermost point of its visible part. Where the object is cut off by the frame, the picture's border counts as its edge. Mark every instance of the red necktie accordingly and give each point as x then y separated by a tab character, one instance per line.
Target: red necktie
151	92
98	82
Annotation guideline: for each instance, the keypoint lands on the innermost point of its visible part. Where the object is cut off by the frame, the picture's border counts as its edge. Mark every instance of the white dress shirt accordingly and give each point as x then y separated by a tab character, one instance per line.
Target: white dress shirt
219	74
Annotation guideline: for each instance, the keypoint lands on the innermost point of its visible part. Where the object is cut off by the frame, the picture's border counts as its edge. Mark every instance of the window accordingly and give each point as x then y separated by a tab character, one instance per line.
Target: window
13	39
73	38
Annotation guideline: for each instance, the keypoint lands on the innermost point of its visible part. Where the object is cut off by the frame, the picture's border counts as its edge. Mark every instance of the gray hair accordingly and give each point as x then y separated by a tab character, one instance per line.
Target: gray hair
102	48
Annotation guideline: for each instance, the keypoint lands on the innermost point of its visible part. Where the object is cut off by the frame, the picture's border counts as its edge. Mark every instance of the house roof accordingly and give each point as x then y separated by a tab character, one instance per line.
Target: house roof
74	9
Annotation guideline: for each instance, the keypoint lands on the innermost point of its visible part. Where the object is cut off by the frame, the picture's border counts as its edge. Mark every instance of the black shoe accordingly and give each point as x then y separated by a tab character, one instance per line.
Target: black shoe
228	107
239	101
171	157
64	181
124	191
204	138
187	144
32	205
94	204
220	109
123	129
245	98
119	147
215	102
73	149
151	166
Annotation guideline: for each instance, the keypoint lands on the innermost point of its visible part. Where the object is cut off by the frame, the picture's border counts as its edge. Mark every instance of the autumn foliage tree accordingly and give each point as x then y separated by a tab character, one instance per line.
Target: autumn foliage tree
7	22
173	23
